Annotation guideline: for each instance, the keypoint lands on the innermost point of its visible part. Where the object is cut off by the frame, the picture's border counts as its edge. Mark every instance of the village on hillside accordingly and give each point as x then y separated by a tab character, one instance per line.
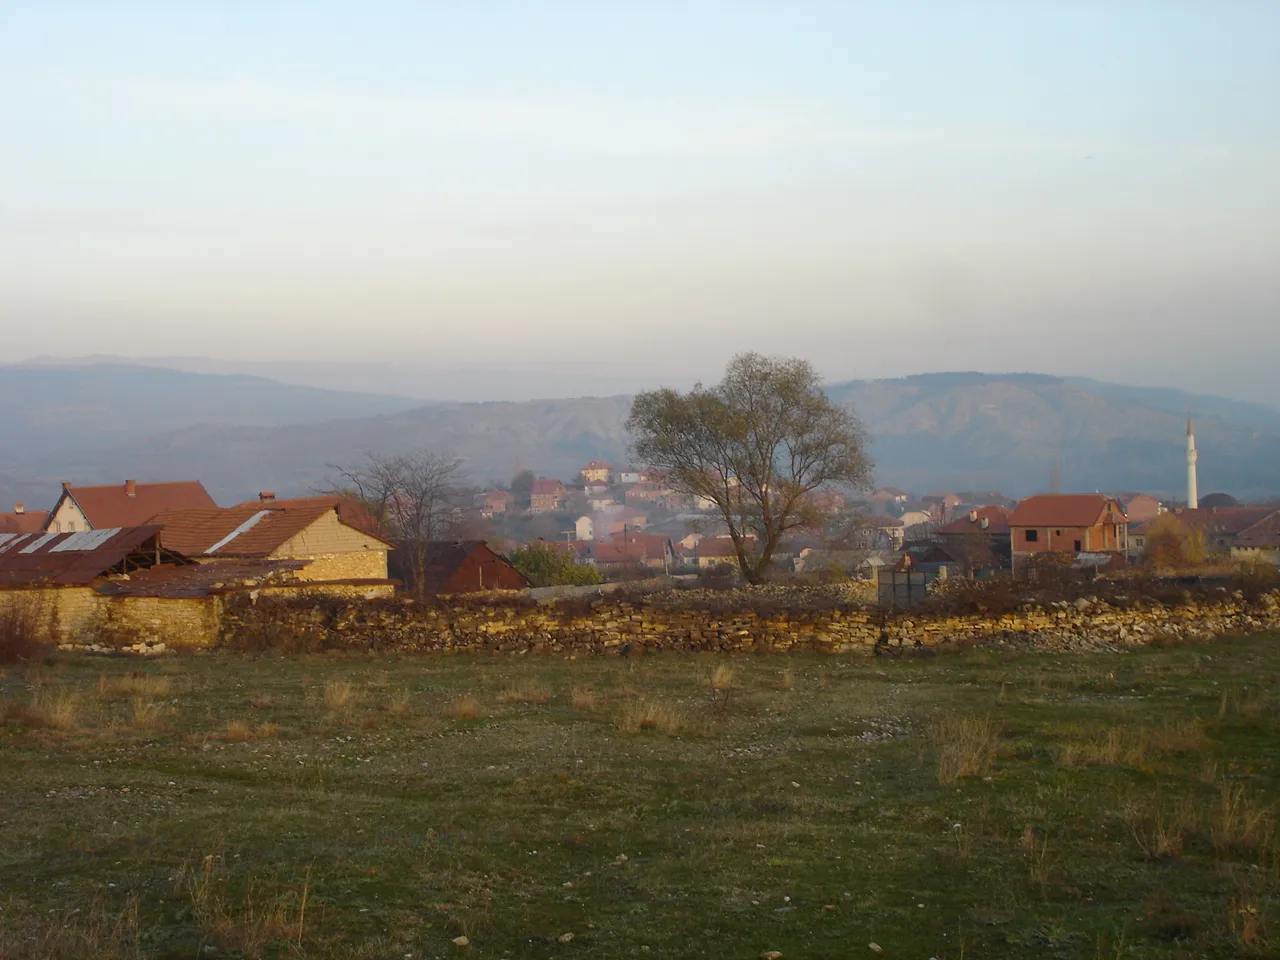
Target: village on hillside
140	543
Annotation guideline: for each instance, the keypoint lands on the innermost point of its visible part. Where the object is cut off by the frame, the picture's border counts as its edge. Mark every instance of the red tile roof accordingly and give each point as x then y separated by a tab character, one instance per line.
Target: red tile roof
1264	535
997	522
130	504
1062	510
1223	520
253	529
542	487
23	521
350	511
76	559
632	547
722	546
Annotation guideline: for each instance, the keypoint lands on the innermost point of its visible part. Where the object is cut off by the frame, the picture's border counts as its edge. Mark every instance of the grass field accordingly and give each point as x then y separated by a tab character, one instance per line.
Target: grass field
973	805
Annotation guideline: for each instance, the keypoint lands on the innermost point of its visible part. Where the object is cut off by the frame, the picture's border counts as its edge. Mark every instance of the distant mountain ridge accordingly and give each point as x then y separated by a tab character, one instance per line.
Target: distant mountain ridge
930	431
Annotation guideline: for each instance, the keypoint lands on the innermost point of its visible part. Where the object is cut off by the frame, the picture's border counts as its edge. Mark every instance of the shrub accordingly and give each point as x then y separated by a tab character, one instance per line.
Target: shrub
28	625
638	715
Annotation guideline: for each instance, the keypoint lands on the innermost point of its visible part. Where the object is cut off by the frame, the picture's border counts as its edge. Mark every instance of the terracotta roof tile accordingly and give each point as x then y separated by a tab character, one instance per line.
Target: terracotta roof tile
997	522
1264	535
1062	510
1224	520
28	521
114	506
249	530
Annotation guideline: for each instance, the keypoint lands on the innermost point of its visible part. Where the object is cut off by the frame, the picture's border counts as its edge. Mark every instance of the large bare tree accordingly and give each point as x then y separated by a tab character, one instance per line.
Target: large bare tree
758	445
417	496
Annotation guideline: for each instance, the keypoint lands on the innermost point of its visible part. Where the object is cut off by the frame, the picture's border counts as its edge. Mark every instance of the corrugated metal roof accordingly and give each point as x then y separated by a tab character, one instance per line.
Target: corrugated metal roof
48	560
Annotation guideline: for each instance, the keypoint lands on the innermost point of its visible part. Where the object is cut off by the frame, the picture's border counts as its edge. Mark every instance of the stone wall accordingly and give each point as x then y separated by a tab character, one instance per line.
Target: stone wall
712	623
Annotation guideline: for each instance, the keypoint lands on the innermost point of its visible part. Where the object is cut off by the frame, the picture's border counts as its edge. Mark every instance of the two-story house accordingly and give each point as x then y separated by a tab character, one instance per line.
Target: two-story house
1066	523
547	496
128	504
597	471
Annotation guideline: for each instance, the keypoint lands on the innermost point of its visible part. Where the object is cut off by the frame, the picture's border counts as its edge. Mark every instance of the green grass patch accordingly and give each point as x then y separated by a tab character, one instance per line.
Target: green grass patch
975	805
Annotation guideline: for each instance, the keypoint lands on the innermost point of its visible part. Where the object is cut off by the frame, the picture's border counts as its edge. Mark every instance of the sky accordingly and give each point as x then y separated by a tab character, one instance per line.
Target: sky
640	190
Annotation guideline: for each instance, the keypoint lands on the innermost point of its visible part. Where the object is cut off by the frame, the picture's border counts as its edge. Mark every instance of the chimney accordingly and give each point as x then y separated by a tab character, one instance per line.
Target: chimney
267	496
19	508
131	488
66	484
985	523
973	516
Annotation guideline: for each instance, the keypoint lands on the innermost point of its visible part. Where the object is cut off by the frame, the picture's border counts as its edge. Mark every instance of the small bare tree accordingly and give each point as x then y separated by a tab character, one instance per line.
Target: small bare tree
417	496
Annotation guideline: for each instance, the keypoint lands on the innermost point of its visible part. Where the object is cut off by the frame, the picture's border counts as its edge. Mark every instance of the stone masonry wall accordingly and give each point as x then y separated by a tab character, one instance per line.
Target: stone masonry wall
621	625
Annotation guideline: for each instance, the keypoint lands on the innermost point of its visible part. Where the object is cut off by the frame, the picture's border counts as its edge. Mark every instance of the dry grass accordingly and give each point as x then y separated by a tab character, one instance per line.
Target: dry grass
1242	824
58	709
583	698
1112	748
966	746
399	704
464	708
136	684
148	715
250	925
787	679
635	716
237	731
1186	737
339	695
722	676
528	692
261	702
1159	831
28	625
98	933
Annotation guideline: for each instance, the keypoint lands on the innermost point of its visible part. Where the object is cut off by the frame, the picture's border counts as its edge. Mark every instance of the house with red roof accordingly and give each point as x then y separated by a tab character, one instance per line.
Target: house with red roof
494	503
635	550
313	529
1066	524
127	504
547	496
978	539
1260	541
22	520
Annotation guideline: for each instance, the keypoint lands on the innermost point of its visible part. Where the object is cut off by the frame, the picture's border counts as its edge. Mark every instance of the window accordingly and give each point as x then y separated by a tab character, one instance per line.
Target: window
1057	533
1033	536
1077	546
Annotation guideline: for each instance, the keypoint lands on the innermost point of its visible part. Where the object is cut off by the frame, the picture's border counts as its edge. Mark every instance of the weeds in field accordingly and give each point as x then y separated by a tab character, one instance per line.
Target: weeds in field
399	704
136	684
28	626
339	695
787	679
57	709
1186	737
1160	833
464	708
648	714
1242	824
583	698
249	924
99	933
147	714
722	677
528	692
966	746
238	731
261	702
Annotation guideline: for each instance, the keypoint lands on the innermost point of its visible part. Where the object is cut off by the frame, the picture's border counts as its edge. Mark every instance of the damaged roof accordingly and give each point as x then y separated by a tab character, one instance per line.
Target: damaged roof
254	529
77	559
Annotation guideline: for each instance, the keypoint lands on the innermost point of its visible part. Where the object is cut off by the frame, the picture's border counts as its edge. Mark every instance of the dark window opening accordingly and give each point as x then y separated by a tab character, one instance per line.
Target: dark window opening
1033	536
1077	546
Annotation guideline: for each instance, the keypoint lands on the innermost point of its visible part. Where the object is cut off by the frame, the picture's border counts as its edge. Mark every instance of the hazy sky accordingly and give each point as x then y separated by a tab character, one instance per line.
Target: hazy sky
885	188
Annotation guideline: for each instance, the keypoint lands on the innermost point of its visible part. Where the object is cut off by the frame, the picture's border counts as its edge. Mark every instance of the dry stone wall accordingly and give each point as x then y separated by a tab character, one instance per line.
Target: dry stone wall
739	621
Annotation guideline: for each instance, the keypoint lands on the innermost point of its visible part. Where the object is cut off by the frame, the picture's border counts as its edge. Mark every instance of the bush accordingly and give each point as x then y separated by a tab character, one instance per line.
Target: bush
28	626
547	565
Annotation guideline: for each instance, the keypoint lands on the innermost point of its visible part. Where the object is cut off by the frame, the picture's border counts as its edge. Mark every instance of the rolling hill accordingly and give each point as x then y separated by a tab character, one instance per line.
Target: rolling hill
958	430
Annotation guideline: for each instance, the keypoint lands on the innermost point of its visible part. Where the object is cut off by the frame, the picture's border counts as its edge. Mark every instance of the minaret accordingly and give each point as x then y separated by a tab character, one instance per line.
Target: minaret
1193	495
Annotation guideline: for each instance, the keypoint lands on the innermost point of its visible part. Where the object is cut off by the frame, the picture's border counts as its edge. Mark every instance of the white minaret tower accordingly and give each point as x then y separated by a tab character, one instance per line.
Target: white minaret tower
1193	494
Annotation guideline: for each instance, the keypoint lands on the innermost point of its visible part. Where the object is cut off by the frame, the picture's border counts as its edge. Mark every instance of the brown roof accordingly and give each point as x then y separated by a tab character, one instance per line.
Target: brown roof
632	547
77	559
253	529
544	486
1265	534
997	522
722	546
23	521
1224	520
444	571
350	511
129	504
1062	510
